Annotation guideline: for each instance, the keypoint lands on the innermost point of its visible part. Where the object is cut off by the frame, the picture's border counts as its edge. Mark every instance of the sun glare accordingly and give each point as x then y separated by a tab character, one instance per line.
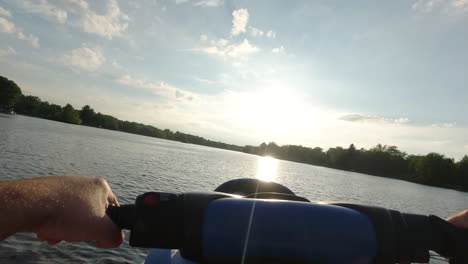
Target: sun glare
267	169
276	113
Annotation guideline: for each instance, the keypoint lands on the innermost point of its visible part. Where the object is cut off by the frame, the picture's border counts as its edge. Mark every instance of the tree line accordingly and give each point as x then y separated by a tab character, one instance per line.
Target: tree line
381	160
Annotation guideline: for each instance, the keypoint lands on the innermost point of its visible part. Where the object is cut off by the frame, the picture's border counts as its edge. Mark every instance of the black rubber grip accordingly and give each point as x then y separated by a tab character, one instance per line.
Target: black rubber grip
449	241
123	216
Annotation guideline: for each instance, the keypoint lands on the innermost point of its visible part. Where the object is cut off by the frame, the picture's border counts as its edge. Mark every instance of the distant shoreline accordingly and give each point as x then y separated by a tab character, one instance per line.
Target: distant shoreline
450	187
433	169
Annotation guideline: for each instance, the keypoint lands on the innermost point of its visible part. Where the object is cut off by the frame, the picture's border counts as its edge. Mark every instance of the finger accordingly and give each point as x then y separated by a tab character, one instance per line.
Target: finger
111	199
108	235
460	220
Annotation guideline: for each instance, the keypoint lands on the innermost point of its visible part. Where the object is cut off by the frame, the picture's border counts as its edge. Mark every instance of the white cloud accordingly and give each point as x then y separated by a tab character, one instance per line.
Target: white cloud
271	34
256	32
7	52
214	51
74	6
220	42
5	12
373	119
451	7
198	79
278	50
203	37
113	23
461	4
240	50
6	26
426	5
209	3
30	38
446	125
240	18
9	27
43	7
116	65
466	146
84	58
181	1
158	88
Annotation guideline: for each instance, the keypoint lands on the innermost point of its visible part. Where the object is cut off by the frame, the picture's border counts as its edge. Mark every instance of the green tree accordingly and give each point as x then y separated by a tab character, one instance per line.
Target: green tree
10	93
462	172
87	114
178	136
29	105
70	115
273	150
433	168
337	157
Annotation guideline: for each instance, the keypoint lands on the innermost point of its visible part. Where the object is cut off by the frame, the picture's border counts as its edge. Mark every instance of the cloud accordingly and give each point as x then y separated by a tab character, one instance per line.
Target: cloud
241	50
271	34
373	119
446	125
278	50
426	5
203	38
460	4
451	7
220	42
5	12
159	88
206	81
202	3
9	27
113	23
30	38
6	26
7	52
84	58
255	32
209	3
43	7
240	18
116	65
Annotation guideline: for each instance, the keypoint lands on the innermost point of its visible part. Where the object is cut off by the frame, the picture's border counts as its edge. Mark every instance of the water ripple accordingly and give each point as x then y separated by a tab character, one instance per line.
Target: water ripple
135	164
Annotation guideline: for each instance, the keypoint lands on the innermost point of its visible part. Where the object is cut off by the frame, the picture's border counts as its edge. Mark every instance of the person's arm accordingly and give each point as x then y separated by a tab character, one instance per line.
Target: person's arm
70	208
460	219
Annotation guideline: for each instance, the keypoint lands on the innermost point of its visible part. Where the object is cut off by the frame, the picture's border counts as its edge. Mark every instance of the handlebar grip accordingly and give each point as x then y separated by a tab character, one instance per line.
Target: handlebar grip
449	241
123	216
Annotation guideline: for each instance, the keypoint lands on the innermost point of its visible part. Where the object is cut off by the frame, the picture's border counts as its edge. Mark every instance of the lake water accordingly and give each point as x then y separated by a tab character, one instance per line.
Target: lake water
135	164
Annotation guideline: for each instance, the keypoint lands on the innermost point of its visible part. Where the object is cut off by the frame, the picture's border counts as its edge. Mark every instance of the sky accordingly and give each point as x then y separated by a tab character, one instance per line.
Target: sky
311	73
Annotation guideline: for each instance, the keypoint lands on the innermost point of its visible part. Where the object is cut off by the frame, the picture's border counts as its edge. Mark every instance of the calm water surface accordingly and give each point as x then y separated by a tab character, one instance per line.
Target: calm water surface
135	164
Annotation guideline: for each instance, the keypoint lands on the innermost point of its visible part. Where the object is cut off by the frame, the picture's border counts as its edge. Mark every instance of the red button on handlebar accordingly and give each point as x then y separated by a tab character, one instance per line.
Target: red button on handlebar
150	199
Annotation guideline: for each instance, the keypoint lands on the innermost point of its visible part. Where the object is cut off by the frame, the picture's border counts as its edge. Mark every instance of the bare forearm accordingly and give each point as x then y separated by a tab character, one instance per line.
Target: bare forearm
70	208
24	205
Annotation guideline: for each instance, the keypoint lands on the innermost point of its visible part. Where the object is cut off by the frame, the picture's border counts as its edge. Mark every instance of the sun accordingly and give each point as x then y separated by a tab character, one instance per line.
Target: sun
272	111
267	169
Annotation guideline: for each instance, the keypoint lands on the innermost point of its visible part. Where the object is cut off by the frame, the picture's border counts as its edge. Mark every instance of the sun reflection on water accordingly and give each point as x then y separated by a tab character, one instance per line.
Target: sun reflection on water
267	169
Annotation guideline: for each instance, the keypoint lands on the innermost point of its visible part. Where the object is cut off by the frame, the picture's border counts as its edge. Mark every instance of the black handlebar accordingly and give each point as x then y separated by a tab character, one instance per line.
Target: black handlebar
123	216
166	220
